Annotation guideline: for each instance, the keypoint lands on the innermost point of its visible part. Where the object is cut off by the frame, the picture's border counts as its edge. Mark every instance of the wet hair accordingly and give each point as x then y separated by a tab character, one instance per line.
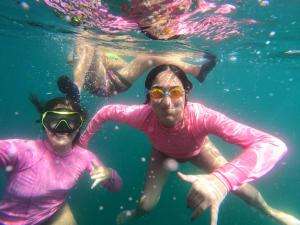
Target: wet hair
71	100
179	73
154	37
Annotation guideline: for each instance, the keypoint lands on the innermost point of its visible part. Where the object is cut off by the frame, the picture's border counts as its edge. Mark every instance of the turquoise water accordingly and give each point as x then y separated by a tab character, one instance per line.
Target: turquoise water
254	82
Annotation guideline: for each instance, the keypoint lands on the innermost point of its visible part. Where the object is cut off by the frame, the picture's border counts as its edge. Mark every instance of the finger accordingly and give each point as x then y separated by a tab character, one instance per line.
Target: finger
214	214
98	176
98	170
194	203
94	164
187	178
196	213
200	209
95	183
191	196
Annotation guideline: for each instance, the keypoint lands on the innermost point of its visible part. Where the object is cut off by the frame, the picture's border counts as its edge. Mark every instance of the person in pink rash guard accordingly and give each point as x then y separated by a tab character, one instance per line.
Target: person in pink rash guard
178	130
157	19
41	172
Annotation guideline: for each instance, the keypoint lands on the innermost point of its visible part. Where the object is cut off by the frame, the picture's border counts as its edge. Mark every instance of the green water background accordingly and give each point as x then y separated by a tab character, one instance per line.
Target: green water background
260	88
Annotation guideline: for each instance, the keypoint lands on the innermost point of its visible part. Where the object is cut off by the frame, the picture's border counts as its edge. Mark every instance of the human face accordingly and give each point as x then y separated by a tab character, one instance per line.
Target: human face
168	110
61	142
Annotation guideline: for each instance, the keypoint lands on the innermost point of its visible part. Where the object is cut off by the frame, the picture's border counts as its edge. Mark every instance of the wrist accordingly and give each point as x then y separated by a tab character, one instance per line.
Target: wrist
222	181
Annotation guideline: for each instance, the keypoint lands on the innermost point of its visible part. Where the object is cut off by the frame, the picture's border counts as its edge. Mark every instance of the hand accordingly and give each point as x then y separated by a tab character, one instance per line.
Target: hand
100	174
207	191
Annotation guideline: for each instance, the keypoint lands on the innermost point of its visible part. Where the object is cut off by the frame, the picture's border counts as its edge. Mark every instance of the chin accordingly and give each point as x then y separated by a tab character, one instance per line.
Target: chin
62	139
169	121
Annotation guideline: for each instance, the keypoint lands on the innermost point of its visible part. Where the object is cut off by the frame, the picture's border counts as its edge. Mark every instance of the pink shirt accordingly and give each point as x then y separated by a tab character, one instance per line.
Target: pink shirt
207	20
260	153
39	179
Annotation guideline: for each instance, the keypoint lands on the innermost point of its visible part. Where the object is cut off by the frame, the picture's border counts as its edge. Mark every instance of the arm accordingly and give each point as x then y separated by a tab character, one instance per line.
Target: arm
261	151
8	153
131	115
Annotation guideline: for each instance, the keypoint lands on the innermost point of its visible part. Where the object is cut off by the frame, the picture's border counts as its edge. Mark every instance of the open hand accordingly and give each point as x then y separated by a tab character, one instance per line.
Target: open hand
207	191
100	174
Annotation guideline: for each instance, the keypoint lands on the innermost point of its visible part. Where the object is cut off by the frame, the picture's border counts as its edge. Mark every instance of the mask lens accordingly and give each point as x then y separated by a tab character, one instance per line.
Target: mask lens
176	92
62	121
156	93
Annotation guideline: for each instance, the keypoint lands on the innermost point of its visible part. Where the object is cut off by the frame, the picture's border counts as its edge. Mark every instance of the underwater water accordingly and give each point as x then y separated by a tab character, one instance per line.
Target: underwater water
256	81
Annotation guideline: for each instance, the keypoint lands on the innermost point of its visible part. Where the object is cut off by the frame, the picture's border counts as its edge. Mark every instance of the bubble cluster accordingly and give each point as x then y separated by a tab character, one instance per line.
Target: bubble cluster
24	5
171	164
143	159
8	168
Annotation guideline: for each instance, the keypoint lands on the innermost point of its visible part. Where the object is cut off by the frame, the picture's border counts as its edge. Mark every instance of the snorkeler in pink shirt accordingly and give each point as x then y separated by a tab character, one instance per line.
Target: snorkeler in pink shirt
41	172
178	129
157	19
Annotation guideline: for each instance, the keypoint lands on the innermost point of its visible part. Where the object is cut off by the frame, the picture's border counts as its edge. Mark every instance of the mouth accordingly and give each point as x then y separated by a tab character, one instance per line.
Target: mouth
168	110
61	135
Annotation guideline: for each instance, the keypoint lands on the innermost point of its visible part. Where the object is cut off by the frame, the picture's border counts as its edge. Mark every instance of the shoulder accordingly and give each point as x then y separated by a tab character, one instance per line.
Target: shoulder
200	109
83	153
22	149
195	108
124	107
19	143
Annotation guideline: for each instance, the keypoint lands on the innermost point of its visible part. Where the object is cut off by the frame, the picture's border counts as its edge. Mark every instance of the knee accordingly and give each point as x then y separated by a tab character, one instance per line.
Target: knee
146	204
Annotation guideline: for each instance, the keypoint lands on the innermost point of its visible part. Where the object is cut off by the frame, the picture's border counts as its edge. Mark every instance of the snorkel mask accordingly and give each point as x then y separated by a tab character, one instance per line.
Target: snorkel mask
62	120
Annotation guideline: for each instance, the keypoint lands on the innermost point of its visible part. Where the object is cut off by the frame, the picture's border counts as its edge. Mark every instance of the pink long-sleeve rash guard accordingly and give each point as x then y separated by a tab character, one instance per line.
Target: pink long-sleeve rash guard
39	179
261	151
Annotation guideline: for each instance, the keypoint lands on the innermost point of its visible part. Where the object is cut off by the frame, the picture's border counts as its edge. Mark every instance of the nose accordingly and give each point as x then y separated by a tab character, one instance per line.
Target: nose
166	101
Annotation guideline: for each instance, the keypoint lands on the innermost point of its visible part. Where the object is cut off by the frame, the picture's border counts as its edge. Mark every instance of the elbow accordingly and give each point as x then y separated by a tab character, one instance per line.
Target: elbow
281	146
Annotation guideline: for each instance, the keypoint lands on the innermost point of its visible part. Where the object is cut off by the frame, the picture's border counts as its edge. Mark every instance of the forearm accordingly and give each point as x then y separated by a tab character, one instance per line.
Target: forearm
253	163
114	183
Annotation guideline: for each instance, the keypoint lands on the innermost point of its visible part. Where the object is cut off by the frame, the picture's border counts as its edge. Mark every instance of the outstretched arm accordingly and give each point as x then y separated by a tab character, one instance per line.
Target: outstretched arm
131	115
261	151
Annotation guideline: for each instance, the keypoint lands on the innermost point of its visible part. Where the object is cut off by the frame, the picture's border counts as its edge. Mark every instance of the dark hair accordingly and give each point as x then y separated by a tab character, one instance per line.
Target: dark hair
179	73
72	99
155	37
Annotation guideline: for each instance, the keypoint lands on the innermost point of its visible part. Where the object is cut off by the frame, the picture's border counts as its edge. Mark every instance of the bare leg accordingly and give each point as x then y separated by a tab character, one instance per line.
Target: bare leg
141	63
155	180
210	159
83	55
63	217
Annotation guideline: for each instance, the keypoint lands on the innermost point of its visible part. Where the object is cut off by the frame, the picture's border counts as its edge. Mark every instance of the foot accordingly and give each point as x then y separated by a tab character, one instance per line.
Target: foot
211	61
126	216
66	86
283	217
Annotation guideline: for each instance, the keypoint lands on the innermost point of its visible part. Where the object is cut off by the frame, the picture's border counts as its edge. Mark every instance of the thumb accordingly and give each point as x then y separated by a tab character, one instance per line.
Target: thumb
214	214
187	178
94	164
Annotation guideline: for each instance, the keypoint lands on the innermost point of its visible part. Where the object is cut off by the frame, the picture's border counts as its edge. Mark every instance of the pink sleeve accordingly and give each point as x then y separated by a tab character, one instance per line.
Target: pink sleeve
261	151
131	115
115	183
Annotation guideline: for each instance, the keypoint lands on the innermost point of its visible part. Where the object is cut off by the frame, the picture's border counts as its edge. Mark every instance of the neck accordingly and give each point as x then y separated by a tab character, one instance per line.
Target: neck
61	149
171	124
